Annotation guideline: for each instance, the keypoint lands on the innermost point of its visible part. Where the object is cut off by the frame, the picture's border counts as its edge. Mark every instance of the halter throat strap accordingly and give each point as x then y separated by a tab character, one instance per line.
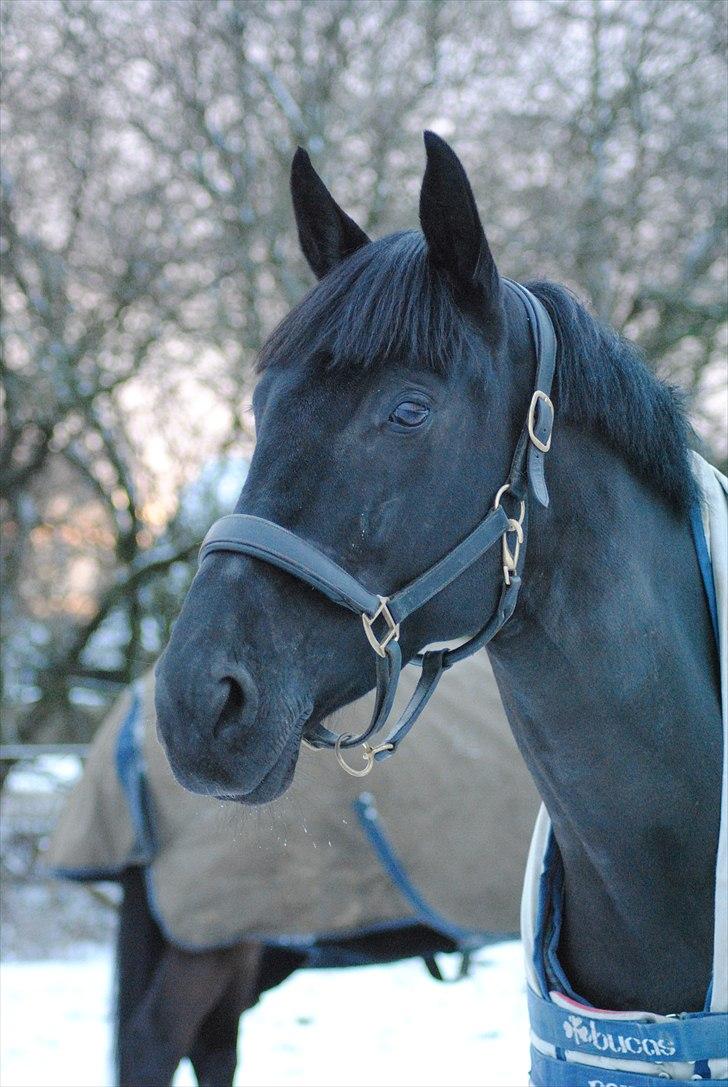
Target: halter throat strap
381	616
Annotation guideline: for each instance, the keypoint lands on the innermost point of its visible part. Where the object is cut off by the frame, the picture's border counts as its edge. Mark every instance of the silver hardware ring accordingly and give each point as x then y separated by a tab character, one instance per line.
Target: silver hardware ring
368	752
497	501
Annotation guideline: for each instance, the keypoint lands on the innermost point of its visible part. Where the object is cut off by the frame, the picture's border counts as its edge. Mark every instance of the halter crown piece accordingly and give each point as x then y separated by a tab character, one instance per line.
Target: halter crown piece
274	544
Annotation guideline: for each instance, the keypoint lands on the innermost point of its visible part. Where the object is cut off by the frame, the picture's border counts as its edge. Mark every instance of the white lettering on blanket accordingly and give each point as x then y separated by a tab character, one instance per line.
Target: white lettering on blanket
601	1083
582	1033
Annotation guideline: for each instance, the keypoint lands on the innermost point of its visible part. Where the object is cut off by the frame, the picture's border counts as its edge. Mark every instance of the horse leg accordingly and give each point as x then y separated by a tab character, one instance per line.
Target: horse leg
214	1051
140	945
185	986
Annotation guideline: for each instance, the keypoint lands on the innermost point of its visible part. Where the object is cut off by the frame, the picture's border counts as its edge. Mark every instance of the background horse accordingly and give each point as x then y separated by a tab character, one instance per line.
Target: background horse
218	907
389	410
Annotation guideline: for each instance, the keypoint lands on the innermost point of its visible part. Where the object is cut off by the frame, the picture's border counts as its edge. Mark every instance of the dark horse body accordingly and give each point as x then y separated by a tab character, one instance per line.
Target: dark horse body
390	402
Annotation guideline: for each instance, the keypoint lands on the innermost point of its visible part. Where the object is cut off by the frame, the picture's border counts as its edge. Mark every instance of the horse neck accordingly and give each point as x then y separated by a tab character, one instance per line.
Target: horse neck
609	677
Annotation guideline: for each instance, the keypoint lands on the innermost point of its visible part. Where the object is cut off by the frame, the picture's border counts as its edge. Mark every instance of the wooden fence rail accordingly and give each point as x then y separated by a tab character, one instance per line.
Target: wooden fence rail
23	752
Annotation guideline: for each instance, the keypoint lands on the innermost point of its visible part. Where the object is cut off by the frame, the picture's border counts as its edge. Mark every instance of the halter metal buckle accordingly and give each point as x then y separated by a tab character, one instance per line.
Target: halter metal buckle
546	400
392	627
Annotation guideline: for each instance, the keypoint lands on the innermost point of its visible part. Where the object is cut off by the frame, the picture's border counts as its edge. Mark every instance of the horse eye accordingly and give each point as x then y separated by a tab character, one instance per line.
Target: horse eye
409	413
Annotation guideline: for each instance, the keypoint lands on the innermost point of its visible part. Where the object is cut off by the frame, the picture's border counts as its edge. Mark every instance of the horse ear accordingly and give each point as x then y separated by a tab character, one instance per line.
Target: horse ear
450	222
326	233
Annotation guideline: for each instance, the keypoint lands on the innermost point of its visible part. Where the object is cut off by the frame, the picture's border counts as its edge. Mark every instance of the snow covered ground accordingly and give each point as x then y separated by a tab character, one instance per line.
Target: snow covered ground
392	1026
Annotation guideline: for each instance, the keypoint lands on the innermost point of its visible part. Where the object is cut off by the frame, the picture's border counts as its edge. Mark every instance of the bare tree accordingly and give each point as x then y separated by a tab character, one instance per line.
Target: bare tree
90	293
611	173
148	246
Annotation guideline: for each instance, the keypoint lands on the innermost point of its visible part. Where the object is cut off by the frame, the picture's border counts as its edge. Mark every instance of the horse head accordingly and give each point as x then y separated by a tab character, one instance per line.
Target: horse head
387	410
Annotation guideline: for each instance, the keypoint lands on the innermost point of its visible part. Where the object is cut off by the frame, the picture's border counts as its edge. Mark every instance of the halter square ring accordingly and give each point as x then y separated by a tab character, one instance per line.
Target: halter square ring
540	395
392	627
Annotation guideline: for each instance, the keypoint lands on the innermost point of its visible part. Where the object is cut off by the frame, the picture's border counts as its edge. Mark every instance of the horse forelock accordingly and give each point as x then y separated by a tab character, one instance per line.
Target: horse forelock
385	304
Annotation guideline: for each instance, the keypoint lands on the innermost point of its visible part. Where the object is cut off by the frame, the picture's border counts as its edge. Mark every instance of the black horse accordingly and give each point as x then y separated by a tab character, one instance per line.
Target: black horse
389	405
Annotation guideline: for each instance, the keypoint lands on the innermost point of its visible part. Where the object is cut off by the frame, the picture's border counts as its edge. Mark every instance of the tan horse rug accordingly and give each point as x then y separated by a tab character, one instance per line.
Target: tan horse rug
437	835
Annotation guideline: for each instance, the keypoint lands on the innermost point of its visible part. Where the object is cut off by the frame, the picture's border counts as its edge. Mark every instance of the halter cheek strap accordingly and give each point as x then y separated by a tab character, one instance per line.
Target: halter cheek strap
381	616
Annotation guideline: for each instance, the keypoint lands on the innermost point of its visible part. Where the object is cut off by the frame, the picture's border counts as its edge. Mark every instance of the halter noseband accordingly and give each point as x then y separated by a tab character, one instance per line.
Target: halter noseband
248	535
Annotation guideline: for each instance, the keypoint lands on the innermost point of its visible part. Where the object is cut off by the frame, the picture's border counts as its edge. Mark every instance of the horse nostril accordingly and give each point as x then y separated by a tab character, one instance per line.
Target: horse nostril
241	704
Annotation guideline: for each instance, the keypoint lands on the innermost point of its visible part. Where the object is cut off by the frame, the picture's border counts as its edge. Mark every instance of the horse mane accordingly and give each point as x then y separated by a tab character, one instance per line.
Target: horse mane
386	303
604	385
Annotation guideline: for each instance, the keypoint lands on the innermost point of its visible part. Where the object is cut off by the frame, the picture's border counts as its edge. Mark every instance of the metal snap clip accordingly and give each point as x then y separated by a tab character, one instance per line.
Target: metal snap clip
510	558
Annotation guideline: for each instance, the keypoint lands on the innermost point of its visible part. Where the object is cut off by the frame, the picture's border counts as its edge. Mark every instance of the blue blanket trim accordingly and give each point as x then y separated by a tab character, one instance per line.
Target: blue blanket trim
547	1072
552	911
544	915
109	874
687	1038
373	828
130	768
706	569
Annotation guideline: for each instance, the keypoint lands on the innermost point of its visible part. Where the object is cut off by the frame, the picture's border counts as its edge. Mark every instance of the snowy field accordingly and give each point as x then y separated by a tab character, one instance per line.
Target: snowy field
392	1026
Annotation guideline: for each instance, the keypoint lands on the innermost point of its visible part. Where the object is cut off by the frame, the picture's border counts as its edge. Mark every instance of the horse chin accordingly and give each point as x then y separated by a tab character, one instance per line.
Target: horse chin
275	780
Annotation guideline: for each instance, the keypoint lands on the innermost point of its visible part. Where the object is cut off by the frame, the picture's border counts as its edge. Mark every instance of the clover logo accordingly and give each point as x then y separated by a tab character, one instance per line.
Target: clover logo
575	1028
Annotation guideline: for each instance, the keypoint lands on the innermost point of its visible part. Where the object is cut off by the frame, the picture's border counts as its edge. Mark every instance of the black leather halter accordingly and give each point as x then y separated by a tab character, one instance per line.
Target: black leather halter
274	544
